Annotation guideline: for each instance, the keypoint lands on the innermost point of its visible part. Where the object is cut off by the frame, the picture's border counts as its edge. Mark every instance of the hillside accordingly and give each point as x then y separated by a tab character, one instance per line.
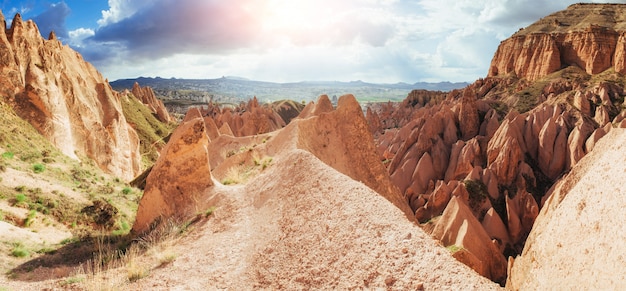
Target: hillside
486	185
235	90
588	200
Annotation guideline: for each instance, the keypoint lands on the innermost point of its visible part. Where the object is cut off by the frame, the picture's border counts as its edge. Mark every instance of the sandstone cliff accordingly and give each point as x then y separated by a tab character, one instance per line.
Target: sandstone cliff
65	99
590	36
146	95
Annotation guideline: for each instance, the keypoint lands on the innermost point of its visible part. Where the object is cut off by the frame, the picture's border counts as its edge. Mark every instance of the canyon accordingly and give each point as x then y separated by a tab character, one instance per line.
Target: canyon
512	181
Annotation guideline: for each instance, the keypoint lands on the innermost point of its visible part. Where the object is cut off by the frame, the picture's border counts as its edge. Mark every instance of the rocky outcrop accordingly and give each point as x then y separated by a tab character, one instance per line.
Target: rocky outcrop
556	254
390	115
66	99
247	119
287	109
146	95
341	138
499	168
459	230
468	117
177	185
584	35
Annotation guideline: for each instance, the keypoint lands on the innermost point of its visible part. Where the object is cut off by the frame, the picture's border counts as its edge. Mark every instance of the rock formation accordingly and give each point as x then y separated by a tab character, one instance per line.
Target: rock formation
341	139
459	228
248	118
498	145
65	99
176	186
556	254
589	36
146	95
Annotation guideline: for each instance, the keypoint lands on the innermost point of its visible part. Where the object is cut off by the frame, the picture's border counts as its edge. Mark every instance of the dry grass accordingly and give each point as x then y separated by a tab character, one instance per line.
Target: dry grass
112	269
242	173
234	175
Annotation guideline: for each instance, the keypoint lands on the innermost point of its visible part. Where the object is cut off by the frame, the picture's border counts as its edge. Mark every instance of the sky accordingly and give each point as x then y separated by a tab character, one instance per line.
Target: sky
380	41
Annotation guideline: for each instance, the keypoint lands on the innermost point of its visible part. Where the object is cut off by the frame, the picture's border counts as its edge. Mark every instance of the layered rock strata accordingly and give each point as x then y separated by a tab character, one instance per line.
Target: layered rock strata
590	36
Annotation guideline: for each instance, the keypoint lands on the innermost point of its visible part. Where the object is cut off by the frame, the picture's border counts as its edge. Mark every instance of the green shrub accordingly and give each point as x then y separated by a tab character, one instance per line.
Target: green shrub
209	211
127	190
38	168
20	198
19	251
266	162
477	193
30	218
8	155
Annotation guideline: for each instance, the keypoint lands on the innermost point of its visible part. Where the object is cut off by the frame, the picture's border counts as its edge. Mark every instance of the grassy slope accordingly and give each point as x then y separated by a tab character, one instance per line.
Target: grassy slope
27	156
151	131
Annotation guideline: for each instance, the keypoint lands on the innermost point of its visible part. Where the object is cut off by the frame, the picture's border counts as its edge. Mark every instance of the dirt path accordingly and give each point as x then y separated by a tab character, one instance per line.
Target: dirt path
308	229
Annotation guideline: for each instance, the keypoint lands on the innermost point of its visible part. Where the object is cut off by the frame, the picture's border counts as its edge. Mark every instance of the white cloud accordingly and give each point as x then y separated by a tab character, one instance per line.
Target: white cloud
77	36
120	9
285	40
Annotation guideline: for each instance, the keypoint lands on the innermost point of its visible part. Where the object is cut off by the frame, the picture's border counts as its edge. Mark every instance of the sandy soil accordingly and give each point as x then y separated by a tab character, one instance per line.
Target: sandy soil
313	229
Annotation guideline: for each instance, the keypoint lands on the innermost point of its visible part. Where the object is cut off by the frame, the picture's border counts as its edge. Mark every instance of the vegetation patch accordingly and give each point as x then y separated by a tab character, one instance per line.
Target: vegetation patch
127	190
152	132
38	168
477	193
19	250
454	248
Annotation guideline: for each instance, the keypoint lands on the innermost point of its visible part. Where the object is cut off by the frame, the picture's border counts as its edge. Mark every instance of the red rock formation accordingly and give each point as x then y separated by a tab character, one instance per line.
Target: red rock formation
458	227
529	57
341	139
66	99
146	95
594	45
176	186
504	153
468	117
225	130
247	119
211	128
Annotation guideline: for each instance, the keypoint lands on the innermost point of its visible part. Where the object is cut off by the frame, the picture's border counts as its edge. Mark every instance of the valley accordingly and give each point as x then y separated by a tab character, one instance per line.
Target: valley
512	181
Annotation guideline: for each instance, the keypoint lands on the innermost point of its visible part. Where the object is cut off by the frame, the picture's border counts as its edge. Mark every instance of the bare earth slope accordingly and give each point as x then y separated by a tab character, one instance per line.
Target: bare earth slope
576	240
301	225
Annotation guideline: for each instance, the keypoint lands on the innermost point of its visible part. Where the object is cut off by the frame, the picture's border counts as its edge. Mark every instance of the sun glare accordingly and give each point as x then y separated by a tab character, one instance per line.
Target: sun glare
294	18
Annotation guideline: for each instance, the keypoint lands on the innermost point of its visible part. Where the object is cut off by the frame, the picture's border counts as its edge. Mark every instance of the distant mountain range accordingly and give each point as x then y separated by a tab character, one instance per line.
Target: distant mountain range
237	88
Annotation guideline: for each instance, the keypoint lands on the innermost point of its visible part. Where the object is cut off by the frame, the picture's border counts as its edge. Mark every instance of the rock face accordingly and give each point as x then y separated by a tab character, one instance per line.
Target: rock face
66	99
146	95
590	36
556	254
458	227
176	185
460	147
341	139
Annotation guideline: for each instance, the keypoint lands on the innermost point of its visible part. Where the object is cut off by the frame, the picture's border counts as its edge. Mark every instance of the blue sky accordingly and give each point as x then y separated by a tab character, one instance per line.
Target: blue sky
284	40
